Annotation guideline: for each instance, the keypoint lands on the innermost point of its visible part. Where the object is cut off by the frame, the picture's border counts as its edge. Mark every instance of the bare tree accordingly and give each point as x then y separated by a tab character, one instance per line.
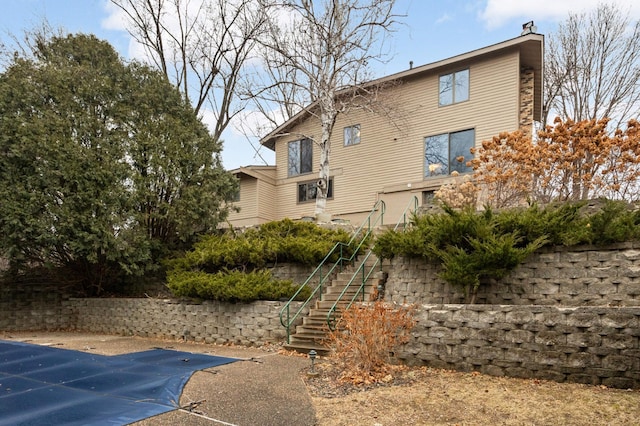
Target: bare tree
202	46
319	55
592	67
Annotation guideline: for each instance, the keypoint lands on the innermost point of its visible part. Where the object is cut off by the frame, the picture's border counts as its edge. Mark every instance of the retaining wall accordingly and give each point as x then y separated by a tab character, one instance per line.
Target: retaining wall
592	345
34	307
564	315
249	324
580	276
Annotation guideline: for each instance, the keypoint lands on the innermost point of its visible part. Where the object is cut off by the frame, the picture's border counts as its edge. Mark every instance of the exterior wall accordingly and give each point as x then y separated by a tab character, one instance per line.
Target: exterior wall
266	202
580	276
526	101
248	202
257	202
390	156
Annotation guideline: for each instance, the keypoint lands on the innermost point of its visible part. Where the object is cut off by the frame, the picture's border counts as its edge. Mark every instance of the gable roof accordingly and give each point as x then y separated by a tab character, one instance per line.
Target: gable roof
264	173
531	47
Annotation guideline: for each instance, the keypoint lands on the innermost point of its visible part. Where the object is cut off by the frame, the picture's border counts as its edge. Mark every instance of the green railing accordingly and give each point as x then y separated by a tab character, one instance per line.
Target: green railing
365	273
325	269
409	211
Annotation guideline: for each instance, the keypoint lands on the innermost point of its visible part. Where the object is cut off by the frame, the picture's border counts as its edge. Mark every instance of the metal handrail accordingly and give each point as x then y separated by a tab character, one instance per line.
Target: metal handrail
331	320
412	207
404	218
380	207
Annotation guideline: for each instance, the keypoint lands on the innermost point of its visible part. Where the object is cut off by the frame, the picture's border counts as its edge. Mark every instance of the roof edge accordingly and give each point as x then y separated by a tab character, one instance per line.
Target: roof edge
270	139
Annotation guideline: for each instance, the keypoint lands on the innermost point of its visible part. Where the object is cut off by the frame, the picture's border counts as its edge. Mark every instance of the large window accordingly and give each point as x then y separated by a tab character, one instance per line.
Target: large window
300	157
448	152
454	87
307	191
352	135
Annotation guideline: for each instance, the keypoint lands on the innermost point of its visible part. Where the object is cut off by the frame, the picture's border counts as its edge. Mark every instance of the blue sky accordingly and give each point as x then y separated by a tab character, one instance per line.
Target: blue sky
431	30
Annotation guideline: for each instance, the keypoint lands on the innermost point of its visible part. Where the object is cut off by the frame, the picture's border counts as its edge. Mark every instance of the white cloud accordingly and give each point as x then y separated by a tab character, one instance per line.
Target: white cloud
116	18
444	18
499	12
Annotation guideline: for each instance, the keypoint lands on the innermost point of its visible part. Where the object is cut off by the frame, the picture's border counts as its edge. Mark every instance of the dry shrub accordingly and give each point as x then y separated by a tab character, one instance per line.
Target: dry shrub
366	337
460	193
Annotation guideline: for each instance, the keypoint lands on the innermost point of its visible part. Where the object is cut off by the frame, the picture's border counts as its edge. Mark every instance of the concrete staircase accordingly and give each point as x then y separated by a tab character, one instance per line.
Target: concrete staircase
312	333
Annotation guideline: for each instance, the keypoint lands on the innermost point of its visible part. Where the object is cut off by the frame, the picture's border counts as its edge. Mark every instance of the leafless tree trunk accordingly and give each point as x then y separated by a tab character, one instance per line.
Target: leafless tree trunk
320	54
592	68
202	46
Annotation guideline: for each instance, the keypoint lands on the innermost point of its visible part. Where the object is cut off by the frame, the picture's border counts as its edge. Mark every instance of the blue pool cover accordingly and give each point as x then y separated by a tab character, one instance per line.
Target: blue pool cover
41	385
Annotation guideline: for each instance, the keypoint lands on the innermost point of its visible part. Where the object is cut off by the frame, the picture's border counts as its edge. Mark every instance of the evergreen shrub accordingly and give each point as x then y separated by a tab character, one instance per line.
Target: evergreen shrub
234	266
474	246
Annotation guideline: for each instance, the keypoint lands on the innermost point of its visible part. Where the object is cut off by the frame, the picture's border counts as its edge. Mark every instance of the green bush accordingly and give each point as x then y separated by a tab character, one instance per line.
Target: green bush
233	286
469	245
281	241
472	246
559	223
231	266
614	223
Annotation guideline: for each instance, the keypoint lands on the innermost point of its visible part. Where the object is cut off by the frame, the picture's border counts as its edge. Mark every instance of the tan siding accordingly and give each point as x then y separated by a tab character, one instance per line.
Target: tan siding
387	160
248	200
266	201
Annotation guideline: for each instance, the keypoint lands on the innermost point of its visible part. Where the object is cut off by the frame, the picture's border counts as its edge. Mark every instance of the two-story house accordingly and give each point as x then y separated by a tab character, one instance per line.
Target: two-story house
445	108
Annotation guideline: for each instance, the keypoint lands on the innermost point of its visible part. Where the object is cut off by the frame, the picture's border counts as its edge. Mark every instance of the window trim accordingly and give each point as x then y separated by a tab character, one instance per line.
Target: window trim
426	174
453	87
314	181
351	133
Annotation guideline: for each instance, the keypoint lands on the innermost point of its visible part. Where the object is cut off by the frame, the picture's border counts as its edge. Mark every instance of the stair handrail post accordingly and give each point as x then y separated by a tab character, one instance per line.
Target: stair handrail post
363	279
288	324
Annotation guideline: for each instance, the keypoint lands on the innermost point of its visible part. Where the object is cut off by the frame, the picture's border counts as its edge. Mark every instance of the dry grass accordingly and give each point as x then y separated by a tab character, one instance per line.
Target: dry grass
426	396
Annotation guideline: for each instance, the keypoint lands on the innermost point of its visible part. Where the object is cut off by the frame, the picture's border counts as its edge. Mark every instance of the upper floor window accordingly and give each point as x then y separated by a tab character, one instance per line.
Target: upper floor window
300	157
454	87
307	191
448	152
352	135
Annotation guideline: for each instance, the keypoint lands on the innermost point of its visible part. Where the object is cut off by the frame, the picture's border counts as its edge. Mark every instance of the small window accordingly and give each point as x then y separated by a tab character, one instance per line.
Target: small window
236	195
428	198
454	87
307	191
352	135
448	152
300	157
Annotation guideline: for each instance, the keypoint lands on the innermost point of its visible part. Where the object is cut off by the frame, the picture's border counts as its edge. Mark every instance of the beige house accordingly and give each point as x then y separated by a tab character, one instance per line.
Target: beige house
444	109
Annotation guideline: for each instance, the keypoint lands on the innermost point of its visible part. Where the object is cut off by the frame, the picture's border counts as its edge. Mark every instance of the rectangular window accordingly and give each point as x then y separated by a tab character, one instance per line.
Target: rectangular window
448	152
300	157
428	198
454	87
236	195
307	190
352	135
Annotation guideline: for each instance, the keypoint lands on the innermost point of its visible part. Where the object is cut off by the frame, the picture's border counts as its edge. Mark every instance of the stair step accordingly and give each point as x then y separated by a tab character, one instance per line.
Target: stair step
328	304
304	348
312	332
308	337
